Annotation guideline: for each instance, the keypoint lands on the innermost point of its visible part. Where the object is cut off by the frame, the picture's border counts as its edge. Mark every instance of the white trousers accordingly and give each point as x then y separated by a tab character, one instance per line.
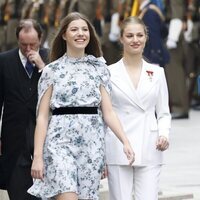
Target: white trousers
124	181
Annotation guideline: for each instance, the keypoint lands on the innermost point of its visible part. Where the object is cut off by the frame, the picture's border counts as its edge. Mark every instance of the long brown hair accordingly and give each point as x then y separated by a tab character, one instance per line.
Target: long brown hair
59	44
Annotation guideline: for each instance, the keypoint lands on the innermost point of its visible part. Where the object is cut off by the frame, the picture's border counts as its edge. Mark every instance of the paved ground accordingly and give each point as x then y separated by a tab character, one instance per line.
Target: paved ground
182	171
180	178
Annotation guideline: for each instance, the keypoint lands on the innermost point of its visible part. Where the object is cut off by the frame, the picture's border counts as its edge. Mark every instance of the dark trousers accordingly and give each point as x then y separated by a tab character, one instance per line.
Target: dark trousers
20	182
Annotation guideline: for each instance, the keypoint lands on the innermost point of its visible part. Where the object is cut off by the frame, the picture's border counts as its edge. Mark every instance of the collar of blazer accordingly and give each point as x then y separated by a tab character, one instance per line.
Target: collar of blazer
148	79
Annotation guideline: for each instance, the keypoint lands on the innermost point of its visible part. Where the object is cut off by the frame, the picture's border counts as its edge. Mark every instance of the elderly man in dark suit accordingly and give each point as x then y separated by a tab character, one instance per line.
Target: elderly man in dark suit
20	70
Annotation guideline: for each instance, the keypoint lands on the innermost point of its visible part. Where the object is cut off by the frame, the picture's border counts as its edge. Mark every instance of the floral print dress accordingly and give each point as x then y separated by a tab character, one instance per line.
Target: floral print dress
74	147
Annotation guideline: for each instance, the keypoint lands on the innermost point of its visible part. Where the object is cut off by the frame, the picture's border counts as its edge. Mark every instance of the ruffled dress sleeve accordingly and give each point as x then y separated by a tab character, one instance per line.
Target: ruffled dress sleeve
104	74
45	81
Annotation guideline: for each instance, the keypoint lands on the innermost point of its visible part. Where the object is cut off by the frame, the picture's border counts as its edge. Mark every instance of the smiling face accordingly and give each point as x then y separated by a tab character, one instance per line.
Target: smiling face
133	38
77	37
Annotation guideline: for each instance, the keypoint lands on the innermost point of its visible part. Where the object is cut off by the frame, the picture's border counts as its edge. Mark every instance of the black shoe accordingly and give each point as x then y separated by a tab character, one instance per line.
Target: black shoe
180	115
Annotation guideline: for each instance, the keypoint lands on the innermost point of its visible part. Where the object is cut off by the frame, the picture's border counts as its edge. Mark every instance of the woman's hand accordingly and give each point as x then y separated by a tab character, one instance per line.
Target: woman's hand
104	173
129	153
162	143
37	169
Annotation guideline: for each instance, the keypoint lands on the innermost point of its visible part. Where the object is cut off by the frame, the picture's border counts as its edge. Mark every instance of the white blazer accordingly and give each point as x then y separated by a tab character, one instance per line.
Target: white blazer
143	112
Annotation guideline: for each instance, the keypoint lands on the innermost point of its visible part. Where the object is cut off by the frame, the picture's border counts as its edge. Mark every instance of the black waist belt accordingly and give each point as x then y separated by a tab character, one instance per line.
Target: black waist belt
75	110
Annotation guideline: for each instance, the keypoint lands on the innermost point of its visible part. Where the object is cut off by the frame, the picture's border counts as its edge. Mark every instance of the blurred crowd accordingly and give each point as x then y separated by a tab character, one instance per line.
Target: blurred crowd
181	17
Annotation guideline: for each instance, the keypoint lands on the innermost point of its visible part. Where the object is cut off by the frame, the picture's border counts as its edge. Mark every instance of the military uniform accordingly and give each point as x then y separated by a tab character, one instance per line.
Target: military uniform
175	71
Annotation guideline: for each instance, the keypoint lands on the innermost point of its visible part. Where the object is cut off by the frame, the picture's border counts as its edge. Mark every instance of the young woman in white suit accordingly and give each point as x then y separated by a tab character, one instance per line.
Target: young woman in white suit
140	98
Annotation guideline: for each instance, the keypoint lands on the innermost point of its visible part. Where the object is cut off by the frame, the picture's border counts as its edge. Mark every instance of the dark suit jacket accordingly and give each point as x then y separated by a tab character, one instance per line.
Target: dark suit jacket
18	99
